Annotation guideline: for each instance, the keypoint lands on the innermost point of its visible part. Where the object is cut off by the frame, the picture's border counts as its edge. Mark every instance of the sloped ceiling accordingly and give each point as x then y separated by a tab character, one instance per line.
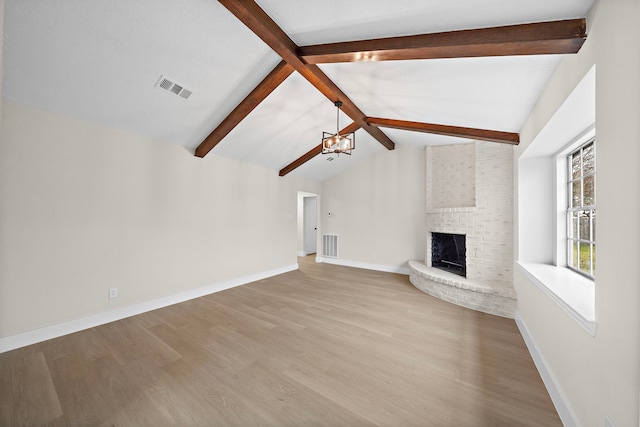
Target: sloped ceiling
99	60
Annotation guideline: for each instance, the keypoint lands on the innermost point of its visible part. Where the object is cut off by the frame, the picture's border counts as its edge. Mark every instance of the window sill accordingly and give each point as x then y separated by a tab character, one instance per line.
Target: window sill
574	293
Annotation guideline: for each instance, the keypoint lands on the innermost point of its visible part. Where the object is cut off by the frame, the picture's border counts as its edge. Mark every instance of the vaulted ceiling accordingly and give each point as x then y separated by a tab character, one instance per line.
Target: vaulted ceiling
100	61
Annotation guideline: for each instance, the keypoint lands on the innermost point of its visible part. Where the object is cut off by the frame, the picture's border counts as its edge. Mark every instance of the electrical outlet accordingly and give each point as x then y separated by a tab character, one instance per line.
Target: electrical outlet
608	422
113	293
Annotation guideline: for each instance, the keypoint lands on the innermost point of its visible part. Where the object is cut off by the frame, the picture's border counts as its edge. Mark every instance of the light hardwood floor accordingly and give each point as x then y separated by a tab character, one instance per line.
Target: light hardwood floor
322	346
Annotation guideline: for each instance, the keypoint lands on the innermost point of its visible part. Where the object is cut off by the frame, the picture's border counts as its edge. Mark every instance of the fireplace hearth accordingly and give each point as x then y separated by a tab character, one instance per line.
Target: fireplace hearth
448	252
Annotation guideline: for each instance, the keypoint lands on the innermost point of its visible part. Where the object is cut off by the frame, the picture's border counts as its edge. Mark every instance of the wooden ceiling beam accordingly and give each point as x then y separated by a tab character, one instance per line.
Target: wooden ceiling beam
553	37
256	19
457	131
257	95
314	152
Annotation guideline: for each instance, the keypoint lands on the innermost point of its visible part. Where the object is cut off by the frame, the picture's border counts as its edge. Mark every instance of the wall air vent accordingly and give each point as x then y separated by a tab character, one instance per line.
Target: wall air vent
171	86
330	245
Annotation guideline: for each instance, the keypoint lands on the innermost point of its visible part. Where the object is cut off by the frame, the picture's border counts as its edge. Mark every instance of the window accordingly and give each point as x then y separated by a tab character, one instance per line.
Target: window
581	211
548	234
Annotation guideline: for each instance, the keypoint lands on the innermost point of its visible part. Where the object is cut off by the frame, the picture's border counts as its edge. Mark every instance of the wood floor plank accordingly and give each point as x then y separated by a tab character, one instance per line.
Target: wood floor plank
221	405
280	321
321	346
35	400
288	394
168	399
6	392
128	340
81	392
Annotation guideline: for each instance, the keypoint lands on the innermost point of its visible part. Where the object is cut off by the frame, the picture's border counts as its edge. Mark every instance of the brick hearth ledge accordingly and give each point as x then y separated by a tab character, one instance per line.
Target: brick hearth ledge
497	300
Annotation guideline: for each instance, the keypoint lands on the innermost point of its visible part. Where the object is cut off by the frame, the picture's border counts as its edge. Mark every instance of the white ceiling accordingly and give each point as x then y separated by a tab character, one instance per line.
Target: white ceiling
99	60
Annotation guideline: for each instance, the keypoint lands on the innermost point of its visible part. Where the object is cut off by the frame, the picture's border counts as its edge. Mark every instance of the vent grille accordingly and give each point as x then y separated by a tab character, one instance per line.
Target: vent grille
330	245
165	84
171	86
175	89
185	93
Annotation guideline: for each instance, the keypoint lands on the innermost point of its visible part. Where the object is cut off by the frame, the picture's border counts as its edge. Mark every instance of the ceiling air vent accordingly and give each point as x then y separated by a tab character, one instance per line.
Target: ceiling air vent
169	85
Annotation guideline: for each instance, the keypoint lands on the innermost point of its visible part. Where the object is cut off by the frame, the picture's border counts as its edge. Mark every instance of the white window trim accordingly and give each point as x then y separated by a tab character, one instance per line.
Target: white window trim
571	241
561	195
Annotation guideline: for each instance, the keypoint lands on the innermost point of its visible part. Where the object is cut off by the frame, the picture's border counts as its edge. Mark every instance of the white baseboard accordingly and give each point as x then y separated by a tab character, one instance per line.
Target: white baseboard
302	253
365	265
556	394
49	332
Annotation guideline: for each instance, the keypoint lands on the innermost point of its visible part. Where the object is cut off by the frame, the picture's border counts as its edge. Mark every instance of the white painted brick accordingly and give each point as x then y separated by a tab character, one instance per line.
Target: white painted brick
486	217
449	299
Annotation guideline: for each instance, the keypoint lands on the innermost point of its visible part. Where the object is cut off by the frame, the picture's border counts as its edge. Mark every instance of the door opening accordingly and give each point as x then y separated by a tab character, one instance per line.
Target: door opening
310	224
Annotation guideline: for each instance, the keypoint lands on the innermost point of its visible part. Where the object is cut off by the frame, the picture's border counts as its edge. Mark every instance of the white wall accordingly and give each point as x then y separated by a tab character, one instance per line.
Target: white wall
85	208
377	208
536	238
1	55
599	376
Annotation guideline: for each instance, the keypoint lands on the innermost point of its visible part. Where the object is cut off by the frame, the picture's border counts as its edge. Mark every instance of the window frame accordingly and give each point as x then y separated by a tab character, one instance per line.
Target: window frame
572	209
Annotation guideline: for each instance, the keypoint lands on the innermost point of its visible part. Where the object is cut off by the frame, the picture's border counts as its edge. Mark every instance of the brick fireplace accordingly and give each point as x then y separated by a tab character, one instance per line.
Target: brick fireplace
469	192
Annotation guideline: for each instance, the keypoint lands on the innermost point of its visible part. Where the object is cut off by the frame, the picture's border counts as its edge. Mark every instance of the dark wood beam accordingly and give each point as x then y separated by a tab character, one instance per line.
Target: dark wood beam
539	38
250	14
301	160
257	95
457	131
313	152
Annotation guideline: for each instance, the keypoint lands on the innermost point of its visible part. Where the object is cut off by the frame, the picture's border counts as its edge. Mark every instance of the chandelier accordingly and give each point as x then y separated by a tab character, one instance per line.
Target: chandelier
335	142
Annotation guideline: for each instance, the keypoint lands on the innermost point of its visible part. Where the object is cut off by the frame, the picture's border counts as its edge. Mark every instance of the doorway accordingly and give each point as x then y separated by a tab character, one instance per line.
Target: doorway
310	224
308	204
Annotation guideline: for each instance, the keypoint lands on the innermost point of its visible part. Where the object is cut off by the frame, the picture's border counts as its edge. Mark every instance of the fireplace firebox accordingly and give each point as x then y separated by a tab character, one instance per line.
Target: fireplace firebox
448	252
